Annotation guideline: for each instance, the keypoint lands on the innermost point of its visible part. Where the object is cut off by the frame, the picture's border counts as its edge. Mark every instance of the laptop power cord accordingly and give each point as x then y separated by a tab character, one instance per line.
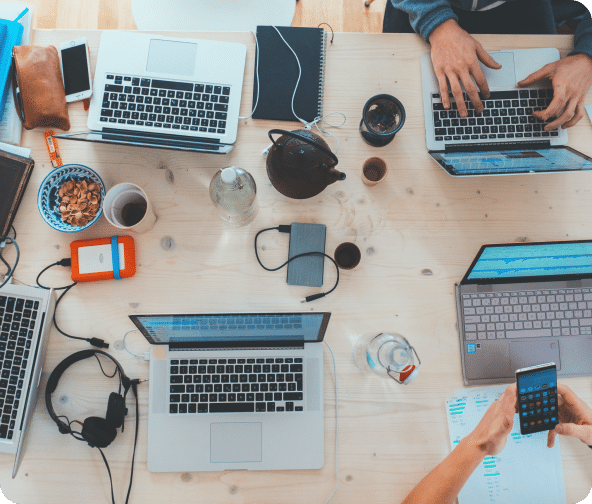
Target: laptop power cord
286	228
67	262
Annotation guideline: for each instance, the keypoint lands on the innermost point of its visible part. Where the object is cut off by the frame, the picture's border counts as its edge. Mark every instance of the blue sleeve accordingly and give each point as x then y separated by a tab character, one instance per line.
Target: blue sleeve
426	15
572	12
583	37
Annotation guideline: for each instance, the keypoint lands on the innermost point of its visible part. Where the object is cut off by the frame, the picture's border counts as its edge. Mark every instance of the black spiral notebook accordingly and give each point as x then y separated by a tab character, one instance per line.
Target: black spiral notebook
278	73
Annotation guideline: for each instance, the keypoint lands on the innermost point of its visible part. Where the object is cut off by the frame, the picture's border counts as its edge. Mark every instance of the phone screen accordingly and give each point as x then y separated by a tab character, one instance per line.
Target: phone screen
537	398
75	69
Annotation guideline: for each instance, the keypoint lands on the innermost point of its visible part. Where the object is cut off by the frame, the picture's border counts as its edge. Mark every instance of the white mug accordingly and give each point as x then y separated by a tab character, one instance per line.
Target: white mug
124	194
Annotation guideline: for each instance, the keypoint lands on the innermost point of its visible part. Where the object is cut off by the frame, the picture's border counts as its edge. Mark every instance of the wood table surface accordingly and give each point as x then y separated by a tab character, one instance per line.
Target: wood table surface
418	231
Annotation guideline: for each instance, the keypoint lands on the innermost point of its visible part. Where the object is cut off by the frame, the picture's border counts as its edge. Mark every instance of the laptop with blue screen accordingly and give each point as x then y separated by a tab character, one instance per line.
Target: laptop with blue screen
505	138
235	391
522	304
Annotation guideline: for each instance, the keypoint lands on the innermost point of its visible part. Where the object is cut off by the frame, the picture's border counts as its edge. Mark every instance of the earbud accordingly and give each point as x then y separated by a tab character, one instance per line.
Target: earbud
266	151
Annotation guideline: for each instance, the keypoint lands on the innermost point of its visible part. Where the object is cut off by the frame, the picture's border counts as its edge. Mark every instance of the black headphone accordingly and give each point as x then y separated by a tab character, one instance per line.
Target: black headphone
96	431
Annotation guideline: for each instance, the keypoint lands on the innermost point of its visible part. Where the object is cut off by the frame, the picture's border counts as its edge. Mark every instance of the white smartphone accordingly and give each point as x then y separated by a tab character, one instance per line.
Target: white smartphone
76	69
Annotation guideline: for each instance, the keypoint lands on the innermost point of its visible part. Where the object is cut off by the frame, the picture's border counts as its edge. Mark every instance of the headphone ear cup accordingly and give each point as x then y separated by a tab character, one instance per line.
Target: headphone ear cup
115	410
98	432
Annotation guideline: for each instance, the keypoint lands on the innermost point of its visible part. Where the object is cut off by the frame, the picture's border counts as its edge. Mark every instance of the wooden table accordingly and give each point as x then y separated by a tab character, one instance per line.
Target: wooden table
418	232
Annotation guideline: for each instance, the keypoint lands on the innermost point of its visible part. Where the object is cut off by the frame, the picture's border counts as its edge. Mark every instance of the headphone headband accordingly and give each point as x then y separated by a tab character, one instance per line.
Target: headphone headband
56	374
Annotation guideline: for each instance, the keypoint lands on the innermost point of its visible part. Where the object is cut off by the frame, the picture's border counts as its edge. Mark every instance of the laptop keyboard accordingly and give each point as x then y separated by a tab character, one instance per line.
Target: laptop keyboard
507	114
163	104
236	385
18	317
562	312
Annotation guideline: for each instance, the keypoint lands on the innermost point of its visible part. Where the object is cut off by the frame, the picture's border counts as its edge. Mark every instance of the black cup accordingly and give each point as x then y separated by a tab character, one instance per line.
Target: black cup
382	118
347	256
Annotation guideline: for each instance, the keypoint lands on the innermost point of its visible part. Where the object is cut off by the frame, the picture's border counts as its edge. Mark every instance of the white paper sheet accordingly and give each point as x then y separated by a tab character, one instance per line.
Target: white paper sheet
526	471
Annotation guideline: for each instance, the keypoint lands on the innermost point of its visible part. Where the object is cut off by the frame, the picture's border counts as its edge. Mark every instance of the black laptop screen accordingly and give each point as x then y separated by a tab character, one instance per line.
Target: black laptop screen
559	259
229	328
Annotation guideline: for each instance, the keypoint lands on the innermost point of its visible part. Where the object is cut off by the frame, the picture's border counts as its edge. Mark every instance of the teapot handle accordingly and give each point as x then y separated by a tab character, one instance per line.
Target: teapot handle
304	139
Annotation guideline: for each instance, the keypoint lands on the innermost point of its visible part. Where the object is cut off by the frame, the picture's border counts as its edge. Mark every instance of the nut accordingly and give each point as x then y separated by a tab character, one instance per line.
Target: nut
79	201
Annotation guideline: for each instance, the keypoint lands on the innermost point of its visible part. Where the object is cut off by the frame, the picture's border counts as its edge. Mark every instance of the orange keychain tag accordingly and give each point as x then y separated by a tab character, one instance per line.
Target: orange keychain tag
52	147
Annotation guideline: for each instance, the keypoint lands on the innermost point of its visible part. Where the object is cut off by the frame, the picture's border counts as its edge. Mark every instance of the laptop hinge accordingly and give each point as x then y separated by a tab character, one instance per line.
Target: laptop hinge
277	345
496	146
160	136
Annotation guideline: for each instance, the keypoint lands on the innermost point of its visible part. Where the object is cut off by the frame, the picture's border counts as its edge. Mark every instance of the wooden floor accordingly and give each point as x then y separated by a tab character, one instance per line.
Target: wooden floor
342	15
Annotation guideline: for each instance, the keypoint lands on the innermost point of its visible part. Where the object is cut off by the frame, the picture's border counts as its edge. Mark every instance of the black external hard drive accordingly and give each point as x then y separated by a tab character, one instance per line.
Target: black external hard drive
307	270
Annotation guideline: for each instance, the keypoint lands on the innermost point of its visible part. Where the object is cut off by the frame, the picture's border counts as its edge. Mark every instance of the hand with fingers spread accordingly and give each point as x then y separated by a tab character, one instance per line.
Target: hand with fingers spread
575	417
571	78
456	56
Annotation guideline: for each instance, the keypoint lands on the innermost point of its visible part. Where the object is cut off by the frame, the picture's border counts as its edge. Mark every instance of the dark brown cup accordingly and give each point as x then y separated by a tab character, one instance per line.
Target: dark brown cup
374	170
347	256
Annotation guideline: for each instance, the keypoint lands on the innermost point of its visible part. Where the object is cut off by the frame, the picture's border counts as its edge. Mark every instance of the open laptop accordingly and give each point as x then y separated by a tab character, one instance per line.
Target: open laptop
522	304
165	92
505	138
235	391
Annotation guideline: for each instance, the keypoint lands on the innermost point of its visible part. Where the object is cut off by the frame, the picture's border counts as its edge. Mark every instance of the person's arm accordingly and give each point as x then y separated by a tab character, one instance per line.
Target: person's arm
575	418
445	481
425	15
571	78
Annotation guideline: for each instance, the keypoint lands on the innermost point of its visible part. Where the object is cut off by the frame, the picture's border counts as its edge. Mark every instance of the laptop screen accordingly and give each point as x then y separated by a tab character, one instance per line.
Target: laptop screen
527	261
233	329
504	162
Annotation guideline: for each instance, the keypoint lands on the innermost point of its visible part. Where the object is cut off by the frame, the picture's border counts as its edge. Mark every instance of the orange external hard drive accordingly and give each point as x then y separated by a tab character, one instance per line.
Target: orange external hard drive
103	259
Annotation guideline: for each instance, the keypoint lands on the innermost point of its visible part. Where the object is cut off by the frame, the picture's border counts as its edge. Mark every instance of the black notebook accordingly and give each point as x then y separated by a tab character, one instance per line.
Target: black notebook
278	73
15	172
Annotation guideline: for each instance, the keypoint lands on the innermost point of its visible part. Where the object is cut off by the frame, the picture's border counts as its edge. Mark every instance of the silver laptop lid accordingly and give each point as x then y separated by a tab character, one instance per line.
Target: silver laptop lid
529	262
233	330
511	160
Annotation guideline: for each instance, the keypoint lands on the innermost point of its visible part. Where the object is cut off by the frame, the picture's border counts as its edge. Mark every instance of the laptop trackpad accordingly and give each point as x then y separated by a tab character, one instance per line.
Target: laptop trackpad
235	442
529	353
505	77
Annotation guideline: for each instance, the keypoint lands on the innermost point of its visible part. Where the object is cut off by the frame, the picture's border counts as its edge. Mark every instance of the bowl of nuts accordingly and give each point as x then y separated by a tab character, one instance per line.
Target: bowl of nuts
70	198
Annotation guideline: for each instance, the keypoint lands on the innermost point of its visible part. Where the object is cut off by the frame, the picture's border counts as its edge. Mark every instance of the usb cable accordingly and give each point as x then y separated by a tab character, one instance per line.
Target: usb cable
285	228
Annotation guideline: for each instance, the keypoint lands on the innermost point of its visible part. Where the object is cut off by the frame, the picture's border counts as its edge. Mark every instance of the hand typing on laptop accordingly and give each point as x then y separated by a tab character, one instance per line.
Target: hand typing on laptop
456	56
571	78
446	480
575	418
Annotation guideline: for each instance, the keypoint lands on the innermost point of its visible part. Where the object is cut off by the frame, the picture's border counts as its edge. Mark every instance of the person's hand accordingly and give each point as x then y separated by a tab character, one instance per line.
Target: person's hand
571	78
575	417
456	56
491	433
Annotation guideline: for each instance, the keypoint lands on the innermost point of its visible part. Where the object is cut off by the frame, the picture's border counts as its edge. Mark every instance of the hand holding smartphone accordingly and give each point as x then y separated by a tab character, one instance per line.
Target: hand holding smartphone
75	66
537	398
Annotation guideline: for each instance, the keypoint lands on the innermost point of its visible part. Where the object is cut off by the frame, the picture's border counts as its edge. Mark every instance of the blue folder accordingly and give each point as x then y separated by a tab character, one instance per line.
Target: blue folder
11	33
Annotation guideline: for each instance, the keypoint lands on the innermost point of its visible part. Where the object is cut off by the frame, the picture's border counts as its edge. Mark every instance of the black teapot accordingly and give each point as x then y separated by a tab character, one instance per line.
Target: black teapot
300	164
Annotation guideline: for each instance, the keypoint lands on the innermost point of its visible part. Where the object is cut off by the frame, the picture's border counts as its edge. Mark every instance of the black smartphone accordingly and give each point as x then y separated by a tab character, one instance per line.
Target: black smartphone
537	398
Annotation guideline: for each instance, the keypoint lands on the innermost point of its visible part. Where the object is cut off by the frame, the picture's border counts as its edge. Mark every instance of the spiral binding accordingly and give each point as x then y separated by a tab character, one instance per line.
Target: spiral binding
322	72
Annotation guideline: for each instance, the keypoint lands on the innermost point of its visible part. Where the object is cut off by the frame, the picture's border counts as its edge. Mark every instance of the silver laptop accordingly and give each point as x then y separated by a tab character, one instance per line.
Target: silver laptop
522	304
235	391
26	314
505	138
155	91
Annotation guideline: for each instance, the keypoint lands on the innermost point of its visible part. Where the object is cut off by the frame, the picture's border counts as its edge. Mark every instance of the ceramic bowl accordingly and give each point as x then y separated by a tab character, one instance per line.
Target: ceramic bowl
48	199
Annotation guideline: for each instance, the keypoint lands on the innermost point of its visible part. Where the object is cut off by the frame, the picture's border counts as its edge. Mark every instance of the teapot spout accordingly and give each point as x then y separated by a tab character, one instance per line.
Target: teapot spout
333	175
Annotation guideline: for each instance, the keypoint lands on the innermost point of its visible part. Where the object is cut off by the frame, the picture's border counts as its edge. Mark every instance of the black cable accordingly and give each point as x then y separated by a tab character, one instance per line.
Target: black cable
97	342
134	386
109	471
286	229
10	271
12	226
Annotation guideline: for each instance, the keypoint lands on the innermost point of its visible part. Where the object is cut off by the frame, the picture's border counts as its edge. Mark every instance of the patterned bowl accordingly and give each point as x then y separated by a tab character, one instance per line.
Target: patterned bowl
48	199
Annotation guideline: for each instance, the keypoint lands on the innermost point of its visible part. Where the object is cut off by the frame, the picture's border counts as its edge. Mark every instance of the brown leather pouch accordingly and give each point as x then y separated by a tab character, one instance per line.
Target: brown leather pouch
40	99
